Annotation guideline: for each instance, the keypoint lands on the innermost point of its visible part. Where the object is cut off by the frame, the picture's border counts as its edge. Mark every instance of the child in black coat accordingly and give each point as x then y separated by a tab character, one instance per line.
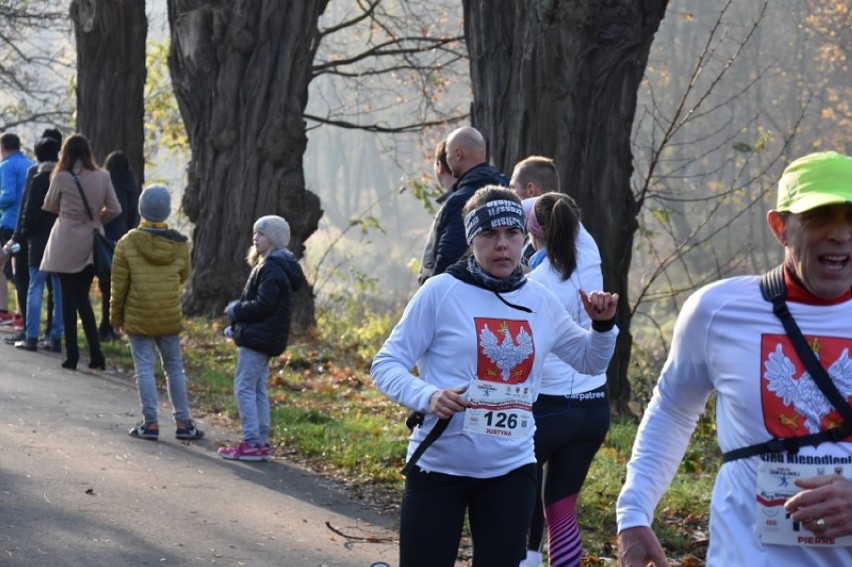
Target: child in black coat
260	328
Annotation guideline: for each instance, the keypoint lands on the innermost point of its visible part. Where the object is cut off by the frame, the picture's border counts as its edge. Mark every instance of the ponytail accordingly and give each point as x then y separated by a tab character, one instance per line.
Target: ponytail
559	218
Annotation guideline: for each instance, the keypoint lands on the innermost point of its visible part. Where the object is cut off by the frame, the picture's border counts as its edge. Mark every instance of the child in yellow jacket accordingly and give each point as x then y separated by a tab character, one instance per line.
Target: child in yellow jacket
150	265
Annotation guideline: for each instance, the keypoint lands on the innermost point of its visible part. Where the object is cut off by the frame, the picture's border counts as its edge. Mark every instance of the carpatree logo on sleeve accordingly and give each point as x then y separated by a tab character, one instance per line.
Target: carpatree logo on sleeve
793	404
505	350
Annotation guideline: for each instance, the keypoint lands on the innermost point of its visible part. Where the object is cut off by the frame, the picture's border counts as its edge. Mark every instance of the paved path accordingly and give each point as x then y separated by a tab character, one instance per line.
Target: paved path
76	490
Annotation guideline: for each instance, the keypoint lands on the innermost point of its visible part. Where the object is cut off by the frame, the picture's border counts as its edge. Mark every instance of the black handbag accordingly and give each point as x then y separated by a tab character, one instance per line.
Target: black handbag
102	247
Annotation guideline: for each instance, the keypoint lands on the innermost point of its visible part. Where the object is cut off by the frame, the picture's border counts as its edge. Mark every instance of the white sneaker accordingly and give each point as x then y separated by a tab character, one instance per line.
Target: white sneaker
534	559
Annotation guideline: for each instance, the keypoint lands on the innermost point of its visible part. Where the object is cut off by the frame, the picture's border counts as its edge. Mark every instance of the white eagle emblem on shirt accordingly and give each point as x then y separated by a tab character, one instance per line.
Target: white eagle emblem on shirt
804	394
505	354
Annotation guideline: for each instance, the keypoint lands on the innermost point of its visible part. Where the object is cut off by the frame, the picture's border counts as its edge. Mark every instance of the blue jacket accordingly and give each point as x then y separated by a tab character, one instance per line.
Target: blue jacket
13	175
449	240
262	315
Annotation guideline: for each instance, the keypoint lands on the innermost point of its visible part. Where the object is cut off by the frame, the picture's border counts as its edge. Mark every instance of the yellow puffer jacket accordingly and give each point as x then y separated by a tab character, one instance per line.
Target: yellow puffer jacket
149	267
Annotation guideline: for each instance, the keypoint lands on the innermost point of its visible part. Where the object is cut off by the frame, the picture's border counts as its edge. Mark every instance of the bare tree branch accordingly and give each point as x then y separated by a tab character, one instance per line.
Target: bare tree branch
421	45
378	128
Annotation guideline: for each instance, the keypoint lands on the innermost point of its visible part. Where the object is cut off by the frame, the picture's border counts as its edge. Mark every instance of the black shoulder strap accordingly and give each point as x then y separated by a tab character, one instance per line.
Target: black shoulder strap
433	434
772	286
774	290
806	354
83	196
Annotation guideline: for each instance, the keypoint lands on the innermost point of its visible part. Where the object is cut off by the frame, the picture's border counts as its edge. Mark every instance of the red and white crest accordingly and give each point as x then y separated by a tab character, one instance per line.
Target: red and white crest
506	350
793	405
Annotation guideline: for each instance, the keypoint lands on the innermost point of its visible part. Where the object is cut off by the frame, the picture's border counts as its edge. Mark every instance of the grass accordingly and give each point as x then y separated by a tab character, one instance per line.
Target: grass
327	415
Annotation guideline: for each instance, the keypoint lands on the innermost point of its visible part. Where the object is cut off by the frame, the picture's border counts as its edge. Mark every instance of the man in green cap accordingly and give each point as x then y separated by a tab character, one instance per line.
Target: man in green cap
783	496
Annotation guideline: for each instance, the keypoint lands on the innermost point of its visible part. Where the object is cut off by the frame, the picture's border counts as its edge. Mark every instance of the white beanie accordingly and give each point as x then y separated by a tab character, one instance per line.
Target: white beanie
275	229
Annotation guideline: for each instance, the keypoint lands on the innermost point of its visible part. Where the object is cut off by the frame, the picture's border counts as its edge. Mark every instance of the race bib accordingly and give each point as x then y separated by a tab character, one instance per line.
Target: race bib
775	485
499	410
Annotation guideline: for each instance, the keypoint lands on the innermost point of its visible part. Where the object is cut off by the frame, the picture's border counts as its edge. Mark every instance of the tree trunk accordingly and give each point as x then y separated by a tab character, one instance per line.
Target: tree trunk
111	73
240	71
560	79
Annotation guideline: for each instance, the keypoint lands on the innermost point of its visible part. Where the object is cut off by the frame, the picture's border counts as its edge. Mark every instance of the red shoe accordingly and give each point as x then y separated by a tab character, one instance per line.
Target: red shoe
18	322
245	452
6	317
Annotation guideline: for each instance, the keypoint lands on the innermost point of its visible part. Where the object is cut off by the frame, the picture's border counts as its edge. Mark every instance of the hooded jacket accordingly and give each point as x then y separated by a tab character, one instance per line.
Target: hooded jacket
448	239
149	267
262	315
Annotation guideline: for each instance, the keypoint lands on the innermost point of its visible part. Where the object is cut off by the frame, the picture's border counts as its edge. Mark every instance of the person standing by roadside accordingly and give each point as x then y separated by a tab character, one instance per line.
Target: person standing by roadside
22	258
127	190
69	247
13	175
260	326
35	227
150	266
774	425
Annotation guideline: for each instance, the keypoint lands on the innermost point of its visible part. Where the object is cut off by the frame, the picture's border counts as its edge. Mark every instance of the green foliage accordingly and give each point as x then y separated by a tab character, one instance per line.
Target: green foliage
352	311
425	193
681	517
348	317
349	439
662	215
366	223
164	127
758	146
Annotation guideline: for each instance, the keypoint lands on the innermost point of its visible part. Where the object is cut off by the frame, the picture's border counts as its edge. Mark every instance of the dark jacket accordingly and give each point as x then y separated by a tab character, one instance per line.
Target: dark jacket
35	222
262	315
448	236
127	192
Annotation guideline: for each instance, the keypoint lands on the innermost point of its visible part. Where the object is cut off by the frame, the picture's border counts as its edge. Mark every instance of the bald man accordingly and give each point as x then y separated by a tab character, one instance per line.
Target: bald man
467	160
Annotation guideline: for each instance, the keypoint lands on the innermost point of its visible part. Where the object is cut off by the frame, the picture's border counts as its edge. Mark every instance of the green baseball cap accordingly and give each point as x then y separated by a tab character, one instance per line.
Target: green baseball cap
815	180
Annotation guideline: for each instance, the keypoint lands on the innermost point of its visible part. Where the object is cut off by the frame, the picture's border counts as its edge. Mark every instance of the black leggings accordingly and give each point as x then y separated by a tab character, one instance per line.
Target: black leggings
75	299
433	510
569	431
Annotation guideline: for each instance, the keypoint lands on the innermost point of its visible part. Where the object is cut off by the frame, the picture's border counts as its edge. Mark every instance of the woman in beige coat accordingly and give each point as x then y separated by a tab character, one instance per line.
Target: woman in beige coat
69	248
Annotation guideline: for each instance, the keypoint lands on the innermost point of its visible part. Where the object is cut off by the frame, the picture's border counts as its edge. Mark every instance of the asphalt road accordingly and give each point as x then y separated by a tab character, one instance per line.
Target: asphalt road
77	490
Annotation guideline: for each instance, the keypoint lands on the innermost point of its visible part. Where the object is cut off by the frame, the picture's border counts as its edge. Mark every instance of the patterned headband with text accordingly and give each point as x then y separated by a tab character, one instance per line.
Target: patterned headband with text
493	214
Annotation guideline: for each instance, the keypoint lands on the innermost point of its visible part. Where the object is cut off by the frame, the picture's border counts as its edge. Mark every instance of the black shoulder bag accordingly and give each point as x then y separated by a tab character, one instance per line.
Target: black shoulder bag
774	290
102	247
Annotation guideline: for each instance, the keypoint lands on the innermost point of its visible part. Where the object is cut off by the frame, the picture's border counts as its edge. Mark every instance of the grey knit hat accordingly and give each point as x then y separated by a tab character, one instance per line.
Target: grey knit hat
275	229
155	203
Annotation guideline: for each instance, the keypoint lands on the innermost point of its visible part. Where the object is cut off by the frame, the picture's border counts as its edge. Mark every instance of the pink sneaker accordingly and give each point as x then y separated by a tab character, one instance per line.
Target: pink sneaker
245	452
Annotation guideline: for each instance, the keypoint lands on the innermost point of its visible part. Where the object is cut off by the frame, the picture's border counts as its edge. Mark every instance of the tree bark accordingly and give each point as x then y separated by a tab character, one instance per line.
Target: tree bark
560	79
240	71
111	74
